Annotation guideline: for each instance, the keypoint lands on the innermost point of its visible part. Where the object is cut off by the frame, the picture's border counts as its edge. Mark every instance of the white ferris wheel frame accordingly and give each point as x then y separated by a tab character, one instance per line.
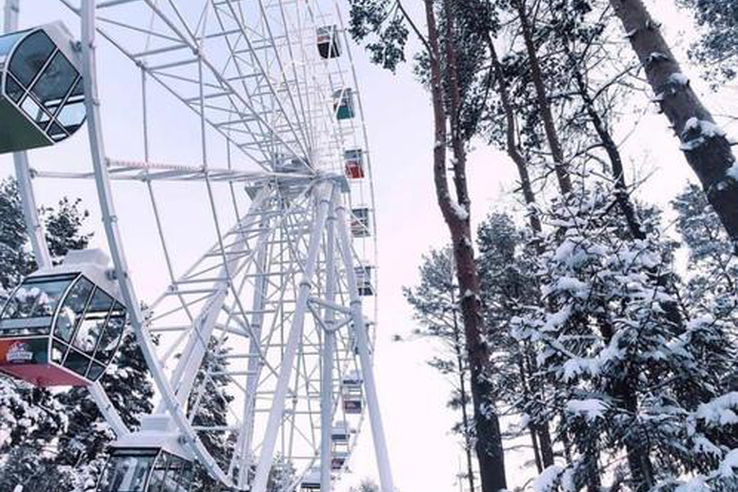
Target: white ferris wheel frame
331	221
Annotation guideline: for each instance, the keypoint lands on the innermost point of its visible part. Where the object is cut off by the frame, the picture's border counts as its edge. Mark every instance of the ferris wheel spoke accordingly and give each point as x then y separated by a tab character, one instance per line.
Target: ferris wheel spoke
298	116
255	122
203	325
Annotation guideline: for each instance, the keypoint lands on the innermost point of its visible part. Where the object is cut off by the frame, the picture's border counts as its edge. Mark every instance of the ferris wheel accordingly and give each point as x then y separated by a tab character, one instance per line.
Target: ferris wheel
273	319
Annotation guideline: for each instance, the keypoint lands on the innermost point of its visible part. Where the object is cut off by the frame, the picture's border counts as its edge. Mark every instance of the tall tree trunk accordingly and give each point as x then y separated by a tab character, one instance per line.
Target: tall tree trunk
544	107
527	396
542	429
591	457
456	214
611	149
543	444
464	397
705	146
511	142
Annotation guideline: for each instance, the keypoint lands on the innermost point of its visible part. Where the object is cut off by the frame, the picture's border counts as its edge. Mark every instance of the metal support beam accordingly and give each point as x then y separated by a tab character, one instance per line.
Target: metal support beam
202	327
367	367
243	453
112	232
22	170
329	336
322	193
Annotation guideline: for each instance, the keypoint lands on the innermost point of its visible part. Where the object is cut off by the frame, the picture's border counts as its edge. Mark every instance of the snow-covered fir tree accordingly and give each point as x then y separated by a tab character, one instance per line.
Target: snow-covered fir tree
209	401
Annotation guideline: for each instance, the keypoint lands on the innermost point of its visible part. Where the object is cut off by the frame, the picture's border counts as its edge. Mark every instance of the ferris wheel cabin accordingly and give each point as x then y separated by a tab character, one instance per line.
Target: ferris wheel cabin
153	460
311	480
360	225
329	45
41	89
352	394
343	104
62	325
354	163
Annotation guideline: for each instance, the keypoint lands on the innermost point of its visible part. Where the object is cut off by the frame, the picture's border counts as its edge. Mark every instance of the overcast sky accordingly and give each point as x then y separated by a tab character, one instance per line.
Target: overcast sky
424	454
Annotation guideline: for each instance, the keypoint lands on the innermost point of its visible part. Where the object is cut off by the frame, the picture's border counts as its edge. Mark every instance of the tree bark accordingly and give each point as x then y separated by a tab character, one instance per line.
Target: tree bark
611	149
456	215
543	446
532	428
464	397
706	148
511	145
544	107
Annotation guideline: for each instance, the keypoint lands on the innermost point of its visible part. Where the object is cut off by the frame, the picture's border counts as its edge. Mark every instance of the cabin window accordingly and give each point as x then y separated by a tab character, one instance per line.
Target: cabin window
8	41
31	306
72	309
127	472
93	324
30	57
44	82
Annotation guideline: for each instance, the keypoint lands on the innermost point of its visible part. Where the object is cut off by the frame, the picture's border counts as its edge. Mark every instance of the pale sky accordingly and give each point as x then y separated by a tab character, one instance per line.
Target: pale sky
424	454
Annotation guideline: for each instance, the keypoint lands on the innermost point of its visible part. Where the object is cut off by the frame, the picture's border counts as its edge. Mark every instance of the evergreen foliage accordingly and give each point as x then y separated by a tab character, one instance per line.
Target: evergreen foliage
59	437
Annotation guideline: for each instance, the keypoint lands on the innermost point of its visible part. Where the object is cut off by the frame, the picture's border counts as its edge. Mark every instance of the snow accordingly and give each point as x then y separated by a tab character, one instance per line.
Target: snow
732	171
575	286
546	481
557	319
678	79
577	366
705	446
460	212
591	409
729	464
706	130
697	484
720	411
655	57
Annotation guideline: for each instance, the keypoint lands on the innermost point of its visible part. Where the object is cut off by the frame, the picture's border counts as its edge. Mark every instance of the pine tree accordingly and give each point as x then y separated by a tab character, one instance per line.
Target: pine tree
705	145
30	417
717	48
435	302
209	401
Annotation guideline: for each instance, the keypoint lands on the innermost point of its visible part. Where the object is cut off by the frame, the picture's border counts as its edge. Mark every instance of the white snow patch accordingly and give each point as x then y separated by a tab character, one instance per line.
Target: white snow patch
707	130
656	56
730	462
546	481
720	411
575	286
460	212
591	409
697	484
732	171
578	366
678	79
557	319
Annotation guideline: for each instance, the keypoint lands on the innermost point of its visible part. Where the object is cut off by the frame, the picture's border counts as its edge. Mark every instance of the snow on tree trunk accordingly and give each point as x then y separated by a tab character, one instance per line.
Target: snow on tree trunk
489	440
705	146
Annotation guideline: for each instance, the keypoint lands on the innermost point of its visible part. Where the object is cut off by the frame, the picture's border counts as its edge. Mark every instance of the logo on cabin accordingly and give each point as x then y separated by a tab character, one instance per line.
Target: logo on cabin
19	353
